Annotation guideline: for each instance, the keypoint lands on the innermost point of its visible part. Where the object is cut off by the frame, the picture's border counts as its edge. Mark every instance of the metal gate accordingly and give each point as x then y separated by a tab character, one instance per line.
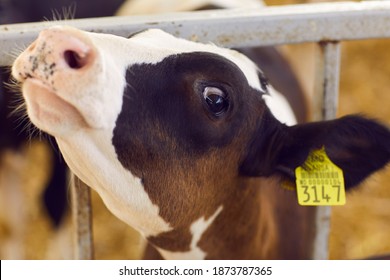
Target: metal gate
327	24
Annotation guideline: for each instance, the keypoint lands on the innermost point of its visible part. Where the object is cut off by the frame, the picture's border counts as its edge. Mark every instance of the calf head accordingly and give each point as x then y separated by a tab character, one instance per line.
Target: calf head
167	130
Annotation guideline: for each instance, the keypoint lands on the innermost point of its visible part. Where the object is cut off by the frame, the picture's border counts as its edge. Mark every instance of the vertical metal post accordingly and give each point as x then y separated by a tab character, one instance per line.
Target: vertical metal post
325	108
82	219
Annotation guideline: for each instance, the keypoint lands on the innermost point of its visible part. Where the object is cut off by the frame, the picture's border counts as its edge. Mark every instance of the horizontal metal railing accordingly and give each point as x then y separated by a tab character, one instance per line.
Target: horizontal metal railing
235	28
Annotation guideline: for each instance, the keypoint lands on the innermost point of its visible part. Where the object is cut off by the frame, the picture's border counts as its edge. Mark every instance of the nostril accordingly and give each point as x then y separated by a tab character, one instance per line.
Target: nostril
74	60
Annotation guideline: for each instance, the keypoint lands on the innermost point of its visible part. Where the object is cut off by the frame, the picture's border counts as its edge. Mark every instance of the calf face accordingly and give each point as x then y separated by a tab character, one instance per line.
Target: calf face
80	90
169	132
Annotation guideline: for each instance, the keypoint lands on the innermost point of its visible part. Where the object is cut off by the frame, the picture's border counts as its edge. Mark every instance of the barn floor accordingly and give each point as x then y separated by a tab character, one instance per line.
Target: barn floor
360	229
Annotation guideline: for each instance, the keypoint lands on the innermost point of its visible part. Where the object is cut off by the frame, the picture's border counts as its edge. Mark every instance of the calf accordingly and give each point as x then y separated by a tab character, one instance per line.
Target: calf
186	142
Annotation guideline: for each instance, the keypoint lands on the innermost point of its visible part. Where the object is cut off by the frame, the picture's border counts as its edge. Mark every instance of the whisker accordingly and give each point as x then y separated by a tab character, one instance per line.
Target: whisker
33	132
13	86
126	95
56	15
66	13
19	117
70	11
53	144
13	54
18	111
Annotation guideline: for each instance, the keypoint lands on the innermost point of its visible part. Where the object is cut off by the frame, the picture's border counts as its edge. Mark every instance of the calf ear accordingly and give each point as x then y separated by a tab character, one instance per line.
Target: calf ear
357	145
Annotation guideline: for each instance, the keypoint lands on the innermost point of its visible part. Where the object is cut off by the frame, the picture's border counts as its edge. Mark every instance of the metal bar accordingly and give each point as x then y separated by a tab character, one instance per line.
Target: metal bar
325	102
236	27
331	51
82	219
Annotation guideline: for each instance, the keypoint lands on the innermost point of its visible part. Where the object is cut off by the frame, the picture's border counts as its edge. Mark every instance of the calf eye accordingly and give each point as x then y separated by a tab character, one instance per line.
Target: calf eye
216	100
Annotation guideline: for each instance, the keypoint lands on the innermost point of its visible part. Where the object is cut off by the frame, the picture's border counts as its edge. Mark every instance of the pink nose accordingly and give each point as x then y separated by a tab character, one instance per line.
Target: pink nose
62	48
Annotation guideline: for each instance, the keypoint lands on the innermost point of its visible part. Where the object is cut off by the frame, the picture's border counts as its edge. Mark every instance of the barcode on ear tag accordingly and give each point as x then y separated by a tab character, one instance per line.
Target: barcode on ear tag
319	181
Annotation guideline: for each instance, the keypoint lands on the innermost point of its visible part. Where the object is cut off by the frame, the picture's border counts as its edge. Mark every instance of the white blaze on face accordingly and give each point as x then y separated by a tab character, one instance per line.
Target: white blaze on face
280	107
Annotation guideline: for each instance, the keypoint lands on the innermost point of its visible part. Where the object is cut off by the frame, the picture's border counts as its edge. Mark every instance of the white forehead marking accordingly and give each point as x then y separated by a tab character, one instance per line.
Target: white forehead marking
153	45
280	107
122	192
197	229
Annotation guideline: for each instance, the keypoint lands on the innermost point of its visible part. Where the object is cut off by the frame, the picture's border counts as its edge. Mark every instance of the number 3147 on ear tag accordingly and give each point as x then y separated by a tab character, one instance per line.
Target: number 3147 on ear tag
319	181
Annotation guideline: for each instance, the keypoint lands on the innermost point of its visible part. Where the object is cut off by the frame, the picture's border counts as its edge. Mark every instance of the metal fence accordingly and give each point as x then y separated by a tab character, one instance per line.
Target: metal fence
327	24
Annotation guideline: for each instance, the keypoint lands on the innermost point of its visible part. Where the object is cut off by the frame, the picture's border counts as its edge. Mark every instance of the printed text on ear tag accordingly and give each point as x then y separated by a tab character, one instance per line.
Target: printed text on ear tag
319	181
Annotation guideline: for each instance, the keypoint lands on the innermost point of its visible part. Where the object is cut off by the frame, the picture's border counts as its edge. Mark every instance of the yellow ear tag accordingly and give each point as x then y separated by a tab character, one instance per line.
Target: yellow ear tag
319	181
